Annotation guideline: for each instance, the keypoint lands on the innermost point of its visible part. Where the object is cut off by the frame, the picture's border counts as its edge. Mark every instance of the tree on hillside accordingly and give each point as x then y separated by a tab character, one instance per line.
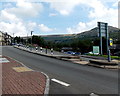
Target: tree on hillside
17	39
38	40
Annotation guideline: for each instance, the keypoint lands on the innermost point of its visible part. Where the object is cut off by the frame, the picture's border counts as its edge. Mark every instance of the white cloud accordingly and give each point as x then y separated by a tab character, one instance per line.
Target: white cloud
31	26
104	14
26	9
18	29
65	7
70	30
12	20
115	4
64	12
8	17
12	24
52	14
98	12
44	28
80	27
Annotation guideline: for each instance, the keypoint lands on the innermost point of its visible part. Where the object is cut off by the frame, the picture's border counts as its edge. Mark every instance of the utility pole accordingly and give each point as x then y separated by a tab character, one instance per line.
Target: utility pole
31	36
27	39
31	39
13	38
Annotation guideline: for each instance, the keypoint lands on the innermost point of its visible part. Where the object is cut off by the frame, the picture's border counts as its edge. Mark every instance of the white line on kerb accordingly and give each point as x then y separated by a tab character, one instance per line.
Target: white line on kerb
61	82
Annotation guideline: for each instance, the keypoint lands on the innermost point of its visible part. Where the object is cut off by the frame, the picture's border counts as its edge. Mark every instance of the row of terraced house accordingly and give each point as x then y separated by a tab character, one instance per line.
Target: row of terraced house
5	39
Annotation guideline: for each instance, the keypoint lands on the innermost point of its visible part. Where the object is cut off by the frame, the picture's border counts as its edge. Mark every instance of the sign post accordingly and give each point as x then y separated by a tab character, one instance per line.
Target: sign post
107	42
100	27
103	32
111	42
31	39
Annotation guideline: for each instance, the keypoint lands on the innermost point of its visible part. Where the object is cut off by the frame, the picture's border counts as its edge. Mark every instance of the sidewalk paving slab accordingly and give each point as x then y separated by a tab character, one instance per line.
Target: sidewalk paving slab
20	80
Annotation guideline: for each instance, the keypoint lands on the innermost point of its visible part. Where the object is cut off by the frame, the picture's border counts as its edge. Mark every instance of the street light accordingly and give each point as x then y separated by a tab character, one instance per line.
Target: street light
13	38
31	39
31	36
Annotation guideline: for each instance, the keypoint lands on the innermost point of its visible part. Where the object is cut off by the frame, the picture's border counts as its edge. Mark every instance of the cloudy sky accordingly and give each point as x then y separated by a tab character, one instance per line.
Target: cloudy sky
46	17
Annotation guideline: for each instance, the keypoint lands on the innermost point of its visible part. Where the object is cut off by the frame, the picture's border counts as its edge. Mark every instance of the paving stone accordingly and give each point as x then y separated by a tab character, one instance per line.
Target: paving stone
27	82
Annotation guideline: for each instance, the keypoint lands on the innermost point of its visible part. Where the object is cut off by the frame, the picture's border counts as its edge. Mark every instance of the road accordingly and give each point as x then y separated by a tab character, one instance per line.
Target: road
81	79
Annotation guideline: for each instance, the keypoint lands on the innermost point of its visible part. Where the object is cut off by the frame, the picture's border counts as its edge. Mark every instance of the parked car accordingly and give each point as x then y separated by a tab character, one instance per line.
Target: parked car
19	44
77	53
13	44
72	53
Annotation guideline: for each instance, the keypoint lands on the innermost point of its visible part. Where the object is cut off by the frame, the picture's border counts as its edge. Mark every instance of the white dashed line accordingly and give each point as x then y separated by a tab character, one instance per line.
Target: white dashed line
93	94
61	82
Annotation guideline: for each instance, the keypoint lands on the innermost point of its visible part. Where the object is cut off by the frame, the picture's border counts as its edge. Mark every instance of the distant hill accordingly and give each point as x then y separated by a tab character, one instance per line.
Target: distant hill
91	34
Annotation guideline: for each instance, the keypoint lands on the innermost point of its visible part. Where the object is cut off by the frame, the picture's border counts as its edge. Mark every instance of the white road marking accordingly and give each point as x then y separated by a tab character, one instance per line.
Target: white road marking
60	82
3	60
93	94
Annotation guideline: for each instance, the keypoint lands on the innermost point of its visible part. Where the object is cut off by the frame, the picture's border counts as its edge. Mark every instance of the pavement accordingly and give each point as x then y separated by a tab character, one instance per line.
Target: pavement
17	79
100	62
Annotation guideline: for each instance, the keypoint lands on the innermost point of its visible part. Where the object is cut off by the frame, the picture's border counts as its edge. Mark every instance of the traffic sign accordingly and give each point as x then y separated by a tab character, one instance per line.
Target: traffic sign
95	49
103	32
111	42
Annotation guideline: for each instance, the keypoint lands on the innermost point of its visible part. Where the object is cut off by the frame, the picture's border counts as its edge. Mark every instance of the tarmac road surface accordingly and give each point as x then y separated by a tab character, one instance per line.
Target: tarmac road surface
67	77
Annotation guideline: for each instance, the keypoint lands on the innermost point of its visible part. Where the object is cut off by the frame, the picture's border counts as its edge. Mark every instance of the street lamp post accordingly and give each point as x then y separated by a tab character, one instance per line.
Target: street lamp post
13	38
31	36
31	39
26	40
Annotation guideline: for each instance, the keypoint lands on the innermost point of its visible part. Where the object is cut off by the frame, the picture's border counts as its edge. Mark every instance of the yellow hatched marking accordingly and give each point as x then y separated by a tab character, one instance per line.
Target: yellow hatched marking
21	69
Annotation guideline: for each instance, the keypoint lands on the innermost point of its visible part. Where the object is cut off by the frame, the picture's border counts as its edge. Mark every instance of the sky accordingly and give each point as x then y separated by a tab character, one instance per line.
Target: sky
49	17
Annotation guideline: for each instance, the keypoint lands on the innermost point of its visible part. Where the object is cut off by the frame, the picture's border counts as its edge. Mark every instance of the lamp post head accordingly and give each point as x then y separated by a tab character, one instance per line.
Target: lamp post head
31	32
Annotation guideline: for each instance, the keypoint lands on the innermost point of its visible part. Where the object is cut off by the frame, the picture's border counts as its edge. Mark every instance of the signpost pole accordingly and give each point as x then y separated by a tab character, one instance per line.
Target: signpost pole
100	35
107	42
46	50
103	29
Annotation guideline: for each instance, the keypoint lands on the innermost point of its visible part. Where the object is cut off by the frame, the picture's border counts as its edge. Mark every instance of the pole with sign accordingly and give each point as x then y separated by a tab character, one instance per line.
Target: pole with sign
103	32
111	42
99	27
107	42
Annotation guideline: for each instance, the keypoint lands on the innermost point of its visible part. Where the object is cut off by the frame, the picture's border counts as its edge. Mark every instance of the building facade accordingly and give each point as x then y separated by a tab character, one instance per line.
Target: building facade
5	39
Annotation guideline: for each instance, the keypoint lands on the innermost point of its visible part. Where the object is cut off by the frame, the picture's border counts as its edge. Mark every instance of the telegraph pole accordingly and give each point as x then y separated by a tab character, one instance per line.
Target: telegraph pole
31	36
13	38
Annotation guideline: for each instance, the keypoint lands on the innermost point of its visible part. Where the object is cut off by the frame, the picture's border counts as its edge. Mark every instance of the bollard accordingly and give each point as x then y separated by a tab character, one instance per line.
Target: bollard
51	50
40	49
30	48
36	48
109	56
46	50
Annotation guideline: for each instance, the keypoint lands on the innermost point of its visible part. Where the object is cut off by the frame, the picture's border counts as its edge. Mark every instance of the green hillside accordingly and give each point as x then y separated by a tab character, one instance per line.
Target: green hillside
91	34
